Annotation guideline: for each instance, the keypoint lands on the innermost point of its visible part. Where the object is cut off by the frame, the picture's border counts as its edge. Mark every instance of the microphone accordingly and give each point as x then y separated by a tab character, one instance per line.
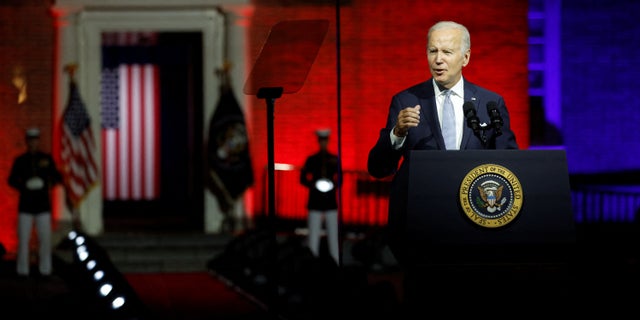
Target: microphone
496	118
473	121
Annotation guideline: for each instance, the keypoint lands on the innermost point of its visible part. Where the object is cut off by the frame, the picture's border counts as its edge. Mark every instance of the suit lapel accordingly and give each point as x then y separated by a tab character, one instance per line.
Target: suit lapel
430	111
469	95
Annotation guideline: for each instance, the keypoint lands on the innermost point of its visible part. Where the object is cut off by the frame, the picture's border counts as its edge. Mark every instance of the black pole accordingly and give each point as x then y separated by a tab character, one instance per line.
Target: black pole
270	95
338	110
271	162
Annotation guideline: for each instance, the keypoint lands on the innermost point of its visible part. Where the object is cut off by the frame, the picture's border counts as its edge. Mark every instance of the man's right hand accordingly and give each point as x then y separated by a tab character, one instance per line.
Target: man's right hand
407	118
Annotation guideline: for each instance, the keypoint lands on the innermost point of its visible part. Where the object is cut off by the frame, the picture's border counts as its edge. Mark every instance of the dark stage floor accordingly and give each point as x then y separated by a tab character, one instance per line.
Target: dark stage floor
600	278
196	295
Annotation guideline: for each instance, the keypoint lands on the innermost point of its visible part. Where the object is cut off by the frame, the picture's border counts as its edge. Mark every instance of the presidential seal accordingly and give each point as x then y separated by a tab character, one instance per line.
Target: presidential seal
491	195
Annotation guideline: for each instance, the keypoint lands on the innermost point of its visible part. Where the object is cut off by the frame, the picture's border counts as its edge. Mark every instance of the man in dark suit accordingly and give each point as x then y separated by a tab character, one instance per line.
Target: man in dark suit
415	121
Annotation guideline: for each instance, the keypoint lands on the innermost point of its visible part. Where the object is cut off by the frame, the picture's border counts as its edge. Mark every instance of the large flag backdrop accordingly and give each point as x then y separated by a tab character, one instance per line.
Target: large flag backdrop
130	118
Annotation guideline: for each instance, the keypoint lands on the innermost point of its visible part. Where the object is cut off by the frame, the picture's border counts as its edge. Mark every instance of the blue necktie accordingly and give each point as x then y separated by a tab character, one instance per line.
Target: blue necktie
448	122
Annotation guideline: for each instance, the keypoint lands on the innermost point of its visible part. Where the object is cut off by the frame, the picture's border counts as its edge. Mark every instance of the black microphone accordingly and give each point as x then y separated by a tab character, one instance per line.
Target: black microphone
496	118
473	121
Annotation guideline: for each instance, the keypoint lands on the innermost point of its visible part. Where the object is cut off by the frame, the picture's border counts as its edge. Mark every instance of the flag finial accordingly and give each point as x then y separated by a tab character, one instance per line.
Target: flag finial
71	70
223	73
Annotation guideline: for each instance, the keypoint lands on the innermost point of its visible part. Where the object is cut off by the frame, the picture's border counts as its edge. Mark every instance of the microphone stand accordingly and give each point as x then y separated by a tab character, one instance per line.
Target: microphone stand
479	130
481	134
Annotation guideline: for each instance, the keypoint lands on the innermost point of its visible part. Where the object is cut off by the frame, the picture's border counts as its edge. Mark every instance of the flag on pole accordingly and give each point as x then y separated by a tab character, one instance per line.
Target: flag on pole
131	132
79	167
230	170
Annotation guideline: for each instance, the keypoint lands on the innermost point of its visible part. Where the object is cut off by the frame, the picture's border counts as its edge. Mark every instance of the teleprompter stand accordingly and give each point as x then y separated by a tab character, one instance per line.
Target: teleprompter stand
282	67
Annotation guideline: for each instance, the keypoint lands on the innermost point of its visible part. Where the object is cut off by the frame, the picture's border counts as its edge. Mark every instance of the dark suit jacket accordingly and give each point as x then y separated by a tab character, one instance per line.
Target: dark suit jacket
384	161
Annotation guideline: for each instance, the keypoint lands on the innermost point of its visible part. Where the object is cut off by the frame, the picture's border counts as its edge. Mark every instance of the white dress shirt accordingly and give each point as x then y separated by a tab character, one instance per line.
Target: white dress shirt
457	98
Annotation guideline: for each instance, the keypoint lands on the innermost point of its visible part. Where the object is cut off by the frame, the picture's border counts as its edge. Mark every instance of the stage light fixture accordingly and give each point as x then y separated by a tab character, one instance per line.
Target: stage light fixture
118	302
109	286
80	240
105	289
72	235
82	253
98	275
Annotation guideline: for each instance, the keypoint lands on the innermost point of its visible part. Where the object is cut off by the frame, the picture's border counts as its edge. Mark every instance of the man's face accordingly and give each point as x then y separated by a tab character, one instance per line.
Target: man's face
33	143
445	56
323	143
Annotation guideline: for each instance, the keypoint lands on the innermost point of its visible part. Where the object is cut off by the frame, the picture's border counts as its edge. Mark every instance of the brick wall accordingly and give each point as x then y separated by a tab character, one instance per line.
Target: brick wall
26	52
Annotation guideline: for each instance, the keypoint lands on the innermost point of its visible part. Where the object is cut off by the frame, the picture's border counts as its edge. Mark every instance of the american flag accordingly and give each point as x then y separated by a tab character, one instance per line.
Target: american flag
130	132
78	148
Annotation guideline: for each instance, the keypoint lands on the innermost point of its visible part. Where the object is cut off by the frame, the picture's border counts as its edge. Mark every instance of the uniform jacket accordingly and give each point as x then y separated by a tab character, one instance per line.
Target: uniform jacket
317	166
29	165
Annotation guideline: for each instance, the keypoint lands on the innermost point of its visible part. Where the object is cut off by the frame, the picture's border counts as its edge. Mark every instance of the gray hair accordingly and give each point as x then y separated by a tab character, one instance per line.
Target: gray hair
466	37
